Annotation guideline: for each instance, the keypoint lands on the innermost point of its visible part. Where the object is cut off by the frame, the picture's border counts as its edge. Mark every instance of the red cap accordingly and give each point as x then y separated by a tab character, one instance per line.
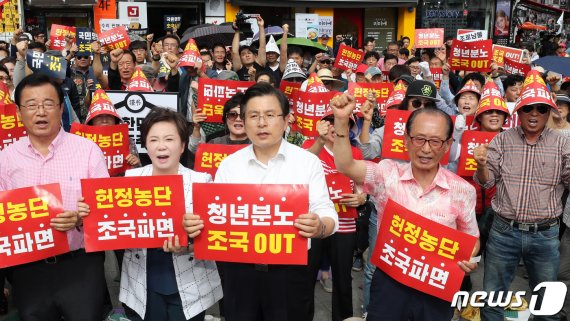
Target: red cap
361	68
101	105
315	84
190	55
139	82
491	100
468	87
397	95
534	92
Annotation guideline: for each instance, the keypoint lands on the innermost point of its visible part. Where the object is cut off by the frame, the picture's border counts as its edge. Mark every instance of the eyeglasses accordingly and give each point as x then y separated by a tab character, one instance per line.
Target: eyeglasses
326	62
435	143
232	115
416	103
4	78
268	117
543	109
48	105
81	57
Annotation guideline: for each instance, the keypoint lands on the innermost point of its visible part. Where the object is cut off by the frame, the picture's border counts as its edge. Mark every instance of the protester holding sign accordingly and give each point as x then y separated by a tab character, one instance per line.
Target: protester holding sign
424	187
49	155
262	292
529	164
246	58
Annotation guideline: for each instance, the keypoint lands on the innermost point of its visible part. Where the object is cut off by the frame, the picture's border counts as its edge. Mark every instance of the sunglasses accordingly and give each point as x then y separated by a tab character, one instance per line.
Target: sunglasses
543	109
232	115
416	103
326	62
81	57
491	112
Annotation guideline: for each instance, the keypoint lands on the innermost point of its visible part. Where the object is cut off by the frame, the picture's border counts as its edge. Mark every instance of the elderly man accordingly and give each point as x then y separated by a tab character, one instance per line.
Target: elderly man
275	292
529	164
70	285
423	186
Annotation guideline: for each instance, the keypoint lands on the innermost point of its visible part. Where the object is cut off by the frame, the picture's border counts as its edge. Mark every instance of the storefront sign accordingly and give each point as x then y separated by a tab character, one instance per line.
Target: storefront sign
135	13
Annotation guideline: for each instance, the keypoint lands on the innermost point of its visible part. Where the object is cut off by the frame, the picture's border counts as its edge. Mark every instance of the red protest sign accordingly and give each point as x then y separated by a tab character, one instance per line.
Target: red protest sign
421	253
209	156
348	58
394	131
502	52
337	185
429	38
12	127
116	38
471	56
213	94
133	212
290	89
113	141
469	141
360	90
309	109
250	223
25	232
515	68
57	36
437	75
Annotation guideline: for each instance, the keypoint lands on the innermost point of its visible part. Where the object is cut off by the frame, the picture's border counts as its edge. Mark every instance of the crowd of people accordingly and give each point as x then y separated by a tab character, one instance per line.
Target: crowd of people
514	204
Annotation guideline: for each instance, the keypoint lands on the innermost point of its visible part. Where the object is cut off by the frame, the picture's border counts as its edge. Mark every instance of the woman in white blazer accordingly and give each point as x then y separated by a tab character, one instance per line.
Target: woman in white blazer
168	284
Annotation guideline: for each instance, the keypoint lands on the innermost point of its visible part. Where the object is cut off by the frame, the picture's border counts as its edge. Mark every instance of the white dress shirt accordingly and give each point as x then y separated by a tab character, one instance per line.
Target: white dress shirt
291	165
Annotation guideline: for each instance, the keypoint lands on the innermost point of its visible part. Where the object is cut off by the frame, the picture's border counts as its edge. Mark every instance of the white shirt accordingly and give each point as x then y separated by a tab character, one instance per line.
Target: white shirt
291	165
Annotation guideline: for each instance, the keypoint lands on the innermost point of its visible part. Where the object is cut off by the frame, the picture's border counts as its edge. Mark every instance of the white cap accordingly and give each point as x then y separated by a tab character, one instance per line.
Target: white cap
292	70
271	46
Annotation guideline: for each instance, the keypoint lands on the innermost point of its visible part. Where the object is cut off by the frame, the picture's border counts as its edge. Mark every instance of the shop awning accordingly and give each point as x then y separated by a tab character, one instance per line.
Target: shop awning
327	3
543	8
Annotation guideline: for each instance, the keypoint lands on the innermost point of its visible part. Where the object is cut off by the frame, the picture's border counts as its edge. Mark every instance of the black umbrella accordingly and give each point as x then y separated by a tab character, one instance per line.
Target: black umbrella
560	65
207	35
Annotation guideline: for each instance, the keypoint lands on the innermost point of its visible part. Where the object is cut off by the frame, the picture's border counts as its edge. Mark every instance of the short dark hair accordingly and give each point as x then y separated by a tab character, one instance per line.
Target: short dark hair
264	89
4	69
397	71
475	76
218	44
392	43
512	80
372	54
160	114
368	39
232	103
130	53
37	32
8	60
404	51
250	48
405	37
412	60
265	73
137	44
171	37
37	45
36	80
390	57
432	111
294	50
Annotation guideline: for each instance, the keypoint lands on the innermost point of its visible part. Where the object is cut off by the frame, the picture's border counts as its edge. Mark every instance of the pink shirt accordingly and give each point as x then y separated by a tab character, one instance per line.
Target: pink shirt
449	200
70	159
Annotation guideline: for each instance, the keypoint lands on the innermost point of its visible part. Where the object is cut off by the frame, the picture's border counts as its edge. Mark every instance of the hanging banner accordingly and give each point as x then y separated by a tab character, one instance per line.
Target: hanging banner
113	141
309	109
348	58
108	24
471	56
338	184
135	13
133	212
429	38
214	93
469	141
52	66
11	124
360	90
421	253
249	223
25	232
209	156
307	25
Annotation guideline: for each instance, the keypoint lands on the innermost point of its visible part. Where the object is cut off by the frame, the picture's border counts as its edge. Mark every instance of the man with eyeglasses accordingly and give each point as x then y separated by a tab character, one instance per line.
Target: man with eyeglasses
273	292
70	285
424	187
530	166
